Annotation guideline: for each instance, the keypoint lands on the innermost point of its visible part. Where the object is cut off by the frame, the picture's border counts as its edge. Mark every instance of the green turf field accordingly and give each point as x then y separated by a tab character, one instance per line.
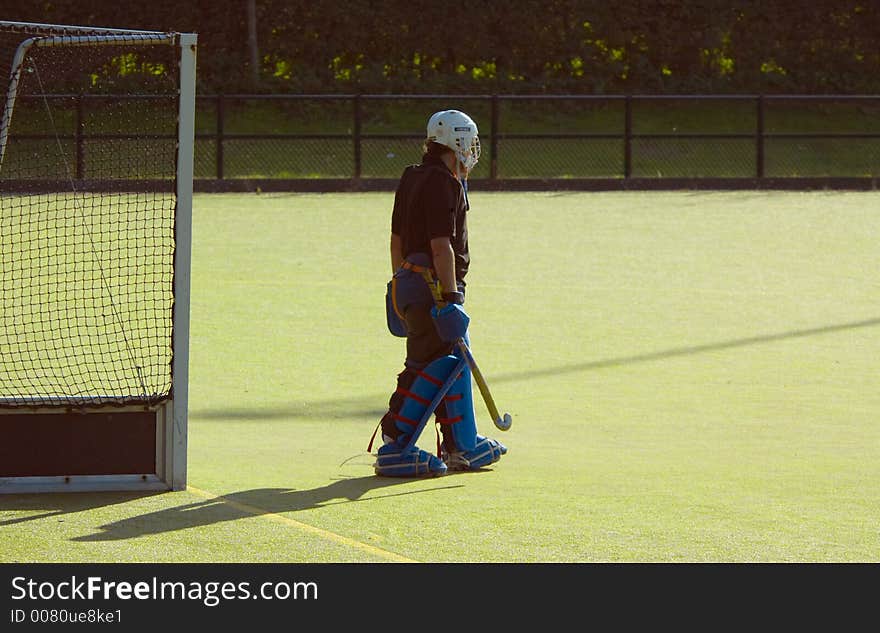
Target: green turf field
692	377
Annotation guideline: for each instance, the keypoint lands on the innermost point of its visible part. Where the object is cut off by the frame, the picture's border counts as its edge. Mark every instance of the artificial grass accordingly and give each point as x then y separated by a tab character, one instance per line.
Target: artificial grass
690	374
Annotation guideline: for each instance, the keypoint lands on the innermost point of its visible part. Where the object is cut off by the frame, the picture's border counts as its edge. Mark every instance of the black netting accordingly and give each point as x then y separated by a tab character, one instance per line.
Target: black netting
699	157
822	157
559	157
87	192
288	158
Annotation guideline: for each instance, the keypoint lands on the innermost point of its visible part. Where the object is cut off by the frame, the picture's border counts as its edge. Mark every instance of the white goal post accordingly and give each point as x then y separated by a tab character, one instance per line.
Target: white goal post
94	325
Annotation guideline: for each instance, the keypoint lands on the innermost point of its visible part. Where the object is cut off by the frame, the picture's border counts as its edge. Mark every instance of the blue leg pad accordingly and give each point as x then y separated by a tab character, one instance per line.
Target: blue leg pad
401	457
420	400
464	448
460	423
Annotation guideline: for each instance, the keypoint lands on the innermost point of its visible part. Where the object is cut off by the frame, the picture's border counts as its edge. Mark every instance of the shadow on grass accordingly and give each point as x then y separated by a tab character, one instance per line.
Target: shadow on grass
337	408
59	504
365	406
250	503
686	351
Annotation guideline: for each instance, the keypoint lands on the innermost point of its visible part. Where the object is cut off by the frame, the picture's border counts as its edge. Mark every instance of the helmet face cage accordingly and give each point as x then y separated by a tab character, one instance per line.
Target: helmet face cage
458	132
468	152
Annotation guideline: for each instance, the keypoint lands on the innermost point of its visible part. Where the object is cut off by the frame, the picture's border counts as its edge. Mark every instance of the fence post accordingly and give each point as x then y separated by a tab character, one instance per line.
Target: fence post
759	138
627	137
219	136
357	136
493	144
78	132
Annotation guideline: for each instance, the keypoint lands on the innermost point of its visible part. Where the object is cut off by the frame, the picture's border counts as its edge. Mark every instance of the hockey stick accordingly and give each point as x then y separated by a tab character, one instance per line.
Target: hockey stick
501	422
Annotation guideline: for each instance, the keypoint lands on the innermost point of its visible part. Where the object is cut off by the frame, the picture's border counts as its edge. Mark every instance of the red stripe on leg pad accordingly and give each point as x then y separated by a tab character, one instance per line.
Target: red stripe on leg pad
417	398
449	420
405	420
430	378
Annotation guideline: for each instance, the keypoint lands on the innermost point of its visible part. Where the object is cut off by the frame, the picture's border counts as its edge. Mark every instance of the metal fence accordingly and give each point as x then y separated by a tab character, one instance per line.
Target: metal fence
545	142
355	142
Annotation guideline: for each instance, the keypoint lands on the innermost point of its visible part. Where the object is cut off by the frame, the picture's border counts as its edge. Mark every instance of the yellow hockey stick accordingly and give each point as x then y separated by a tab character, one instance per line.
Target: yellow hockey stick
501	422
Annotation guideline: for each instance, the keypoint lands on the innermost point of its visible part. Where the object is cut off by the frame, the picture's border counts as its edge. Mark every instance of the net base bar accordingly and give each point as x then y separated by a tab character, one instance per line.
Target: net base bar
82	483
109	449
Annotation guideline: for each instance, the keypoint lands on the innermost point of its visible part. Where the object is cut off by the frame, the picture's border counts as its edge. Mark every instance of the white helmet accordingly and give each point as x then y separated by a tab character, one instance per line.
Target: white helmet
458	132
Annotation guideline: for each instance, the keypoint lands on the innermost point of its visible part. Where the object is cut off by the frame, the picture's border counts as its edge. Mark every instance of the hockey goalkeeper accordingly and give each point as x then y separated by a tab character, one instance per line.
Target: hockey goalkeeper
429	244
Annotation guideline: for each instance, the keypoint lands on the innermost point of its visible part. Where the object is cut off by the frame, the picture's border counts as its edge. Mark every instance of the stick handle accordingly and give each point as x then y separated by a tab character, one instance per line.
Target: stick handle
478	378
434	285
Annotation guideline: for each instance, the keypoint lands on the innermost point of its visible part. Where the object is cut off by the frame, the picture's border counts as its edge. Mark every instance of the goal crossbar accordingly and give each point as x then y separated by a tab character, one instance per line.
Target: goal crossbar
76	29
111	38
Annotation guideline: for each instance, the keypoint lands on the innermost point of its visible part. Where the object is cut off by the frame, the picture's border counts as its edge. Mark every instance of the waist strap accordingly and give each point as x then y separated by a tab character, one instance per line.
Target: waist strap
416	268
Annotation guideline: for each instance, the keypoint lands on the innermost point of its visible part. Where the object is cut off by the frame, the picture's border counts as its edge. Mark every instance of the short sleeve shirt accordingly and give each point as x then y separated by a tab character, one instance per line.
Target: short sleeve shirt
430	203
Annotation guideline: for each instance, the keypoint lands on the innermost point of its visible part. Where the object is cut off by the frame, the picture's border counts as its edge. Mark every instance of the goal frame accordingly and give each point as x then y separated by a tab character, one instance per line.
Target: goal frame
170	417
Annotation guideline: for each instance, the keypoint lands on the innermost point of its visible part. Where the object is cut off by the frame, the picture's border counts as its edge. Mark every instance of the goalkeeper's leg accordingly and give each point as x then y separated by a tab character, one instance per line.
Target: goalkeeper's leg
409	408
408	404
463	448
430	366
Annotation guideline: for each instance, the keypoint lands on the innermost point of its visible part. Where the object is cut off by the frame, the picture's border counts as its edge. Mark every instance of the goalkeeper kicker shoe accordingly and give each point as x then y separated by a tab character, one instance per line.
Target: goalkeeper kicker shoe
396	461
486	452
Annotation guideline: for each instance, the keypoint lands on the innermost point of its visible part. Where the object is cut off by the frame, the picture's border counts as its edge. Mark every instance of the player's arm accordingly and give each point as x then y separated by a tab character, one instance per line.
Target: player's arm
444	263
396	252
397	223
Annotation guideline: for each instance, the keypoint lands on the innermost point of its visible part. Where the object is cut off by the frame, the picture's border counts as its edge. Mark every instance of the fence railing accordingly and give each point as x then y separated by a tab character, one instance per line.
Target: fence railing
330	142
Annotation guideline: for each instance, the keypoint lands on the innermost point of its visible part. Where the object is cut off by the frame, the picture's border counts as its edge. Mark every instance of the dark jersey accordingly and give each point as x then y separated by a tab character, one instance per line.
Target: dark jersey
430	203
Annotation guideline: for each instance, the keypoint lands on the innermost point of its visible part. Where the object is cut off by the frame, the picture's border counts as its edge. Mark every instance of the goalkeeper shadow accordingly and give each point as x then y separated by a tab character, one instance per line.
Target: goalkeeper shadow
250	503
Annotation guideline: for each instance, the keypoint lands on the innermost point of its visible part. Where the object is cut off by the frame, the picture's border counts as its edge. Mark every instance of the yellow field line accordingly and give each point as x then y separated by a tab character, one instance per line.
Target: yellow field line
311	529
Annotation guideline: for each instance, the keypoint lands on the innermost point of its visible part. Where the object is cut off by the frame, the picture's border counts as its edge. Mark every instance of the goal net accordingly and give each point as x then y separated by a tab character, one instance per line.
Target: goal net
96	139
